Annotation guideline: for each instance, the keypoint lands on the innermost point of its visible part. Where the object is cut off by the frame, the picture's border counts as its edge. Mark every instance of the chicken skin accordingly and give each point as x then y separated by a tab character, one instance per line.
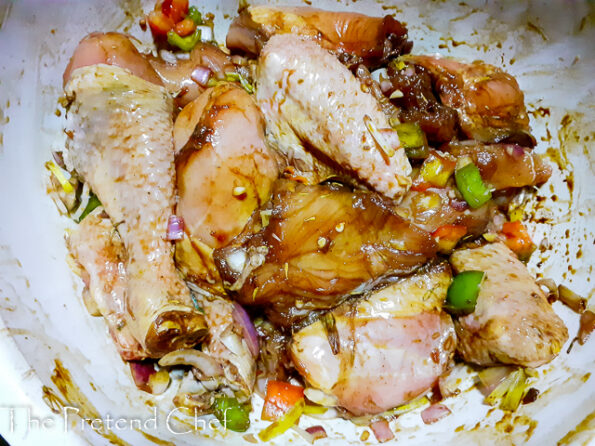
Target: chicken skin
489	103
120	142
316	244
351	36
392	345
225	171
305	91
513	323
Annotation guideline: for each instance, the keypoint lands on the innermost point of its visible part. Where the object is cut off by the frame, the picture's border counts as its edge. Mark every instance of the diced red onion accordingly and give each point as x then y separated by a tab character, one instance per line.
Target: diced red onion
206	364
147	378
175	228
517	151
459	205
382	431
201	75
434	413
317	432
242	318
59	158
385	86
141	372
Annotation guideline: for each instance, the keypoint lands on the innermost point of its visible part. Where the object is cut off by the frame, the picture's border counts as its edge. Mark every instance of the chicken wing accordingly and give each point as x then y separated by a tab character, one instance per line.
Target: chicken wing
120	143
304	90
513	323
392	345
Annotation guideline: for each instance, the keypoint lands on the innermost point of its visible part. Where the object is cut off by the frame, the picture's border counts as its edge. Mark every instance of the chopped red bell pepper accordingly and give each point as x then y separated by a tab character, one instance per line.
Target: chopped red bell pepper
159	23
279	399
448	236
518	239
420	186
185	27
175	9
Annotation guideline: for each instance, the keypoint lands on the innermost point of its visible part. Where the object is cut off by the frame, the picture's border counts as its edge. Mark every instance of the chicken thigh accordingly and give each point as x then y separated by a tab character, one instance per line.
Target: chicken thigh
392	345
352	36
489	102
313	244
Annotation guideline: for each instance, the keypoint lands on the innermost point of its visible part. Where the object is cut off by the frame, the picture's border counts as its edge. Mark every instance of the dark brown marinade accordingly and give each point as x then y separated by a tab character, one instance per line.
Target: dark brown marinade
419	104
321	243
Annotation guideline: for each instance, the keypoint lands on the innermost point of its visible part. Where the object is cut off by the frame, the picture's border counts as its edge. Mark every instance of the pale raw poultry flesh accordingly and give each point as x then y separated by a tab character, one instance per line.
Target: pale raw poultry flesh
393	344
120	143
306	94
98	250
512	323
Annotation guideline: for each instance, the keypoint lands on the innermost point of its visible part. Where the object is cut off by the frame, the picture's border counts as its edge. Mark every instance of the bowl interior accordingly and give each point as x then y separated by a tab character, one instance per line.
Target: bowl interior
45	327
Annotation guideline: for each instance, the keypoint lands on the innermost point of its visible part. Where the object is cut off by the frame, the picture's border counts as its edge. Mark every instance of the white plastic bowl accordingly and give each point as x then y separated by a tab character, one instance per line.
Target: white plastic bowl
548	46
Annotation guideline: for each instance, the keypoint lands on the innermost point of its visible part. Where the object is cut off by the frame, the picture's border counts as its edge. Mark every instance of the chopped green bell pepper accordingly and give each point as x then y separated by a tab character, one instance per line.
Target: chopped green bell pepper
410	134
184	43
91	205
471	186
412	139
461	297
237	77
194	15
233	415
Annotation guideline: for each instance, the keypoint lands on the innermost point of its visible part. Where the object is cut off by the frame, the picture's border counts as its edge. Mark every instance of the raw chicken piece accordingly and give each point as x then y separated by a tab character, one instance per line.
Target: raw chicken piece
112	49
177	77
393	345
437	206
120	142
352	36
225	171
504	165
417	102
225	360
226	344
319	243
303	166
96	246
303	89
489	102
513	323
